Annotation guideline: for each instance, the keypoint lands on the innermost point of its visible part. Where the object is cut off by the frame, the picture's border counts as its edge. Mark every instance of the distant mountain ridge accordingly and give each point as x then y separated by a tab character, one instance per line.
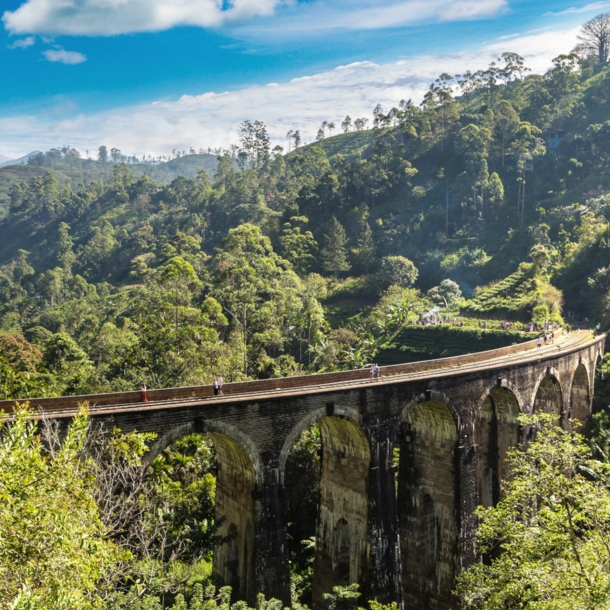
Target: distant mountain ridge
6	161
77	171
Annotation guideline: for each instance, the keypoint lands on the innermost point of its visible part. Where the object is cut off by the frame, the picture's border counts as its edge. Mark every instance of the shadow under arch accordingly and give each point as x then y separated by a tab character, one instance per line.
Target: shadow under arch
427	501
496	431
238	472
580	394
548	397
342	546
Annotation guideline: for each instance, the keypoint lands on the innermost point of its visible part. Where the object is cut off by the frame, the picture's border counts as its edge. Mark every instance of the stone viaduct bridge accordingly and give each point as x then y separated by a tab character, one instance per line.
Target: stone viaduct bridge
402	531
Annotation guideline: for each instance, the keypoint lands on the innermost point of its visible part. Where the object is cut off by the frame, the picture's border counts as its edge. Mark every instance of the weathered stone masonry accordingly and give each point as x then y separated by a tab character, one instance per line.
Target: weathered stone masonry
401	531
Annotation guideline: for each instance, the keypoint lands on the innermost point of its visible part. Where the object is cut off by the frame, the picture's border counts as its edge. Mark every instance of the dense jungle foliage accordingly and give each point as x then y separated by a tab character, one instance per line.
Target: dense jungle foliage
489	201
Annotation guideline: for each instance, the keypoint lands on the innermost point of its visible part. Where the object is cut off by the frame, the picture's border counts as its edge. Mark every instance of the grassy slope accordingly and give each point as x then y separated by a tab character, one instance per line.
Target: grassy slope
413	343
350	144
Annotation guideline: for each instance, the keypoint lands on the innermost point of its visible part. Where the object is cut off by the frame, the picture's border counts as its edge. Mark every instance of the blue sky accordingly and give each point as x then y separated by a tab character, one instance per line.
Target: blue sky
140	73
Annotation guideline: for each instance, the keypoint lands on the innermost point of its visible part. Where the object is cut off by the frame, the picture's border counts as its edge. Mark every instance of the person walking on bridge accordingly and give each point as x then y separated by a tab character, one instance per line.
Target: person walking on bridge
220	382
376	372
538	343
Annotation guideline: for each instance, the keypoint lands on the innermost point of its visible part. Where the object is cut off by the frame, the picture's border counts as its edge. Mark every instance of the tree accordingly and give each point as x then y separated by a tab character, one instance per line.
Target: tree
365	247
378	116
333	253
65	256
507	122
397	271
298	245
54	550
547	537
360	124
297	138
346	123
595	36
102	155
255	142
473	142
330	126
69	362
446	293
320	134
495	189
22	268
600	137
439	102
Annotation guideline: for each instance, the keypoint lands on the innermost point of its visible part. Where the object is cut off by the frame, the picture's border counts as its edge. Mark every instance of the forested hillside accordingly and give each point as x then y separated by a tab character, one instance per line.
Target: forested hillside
67	167
489	198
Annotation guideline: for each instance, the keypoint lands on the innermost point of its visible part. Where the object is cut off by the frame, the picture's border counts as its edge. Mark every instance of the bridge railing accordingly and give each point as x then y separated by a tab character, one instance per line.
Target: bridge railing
189	392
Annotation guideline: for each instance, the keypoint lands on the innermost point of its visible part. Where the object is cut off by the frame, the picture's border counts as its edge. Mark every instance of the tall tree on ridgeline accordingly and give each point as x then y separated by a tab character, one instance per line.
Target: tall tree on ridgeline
594	37
102	155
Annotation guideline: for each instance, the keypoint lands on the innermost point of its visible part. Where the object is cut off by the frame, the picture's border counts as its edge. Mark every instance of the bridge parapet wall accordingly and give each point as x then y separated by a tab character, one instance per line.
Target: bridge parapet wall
114	398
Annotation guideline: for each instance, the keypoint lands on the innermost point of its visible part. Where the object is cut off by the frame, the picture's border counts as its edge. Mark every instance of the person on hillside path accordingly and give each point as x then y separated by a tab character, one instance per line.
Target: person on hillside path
143	393
538	343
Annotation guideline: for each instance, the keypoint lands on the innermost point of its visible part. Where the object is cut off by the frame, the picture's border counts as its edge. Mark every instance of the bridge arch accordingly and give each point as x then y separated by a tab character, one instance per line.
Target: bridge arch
426	501
308	420
163	441
342	541
580	394
548	396
431	396
496	431
239	471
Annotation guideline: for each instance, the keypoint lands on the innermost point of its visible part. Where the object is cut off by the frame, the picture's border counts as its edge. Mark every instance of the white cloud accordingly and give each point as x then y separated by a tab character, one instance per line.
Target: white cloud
369	15
65	57
23	43
574	10
110	17
212	119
